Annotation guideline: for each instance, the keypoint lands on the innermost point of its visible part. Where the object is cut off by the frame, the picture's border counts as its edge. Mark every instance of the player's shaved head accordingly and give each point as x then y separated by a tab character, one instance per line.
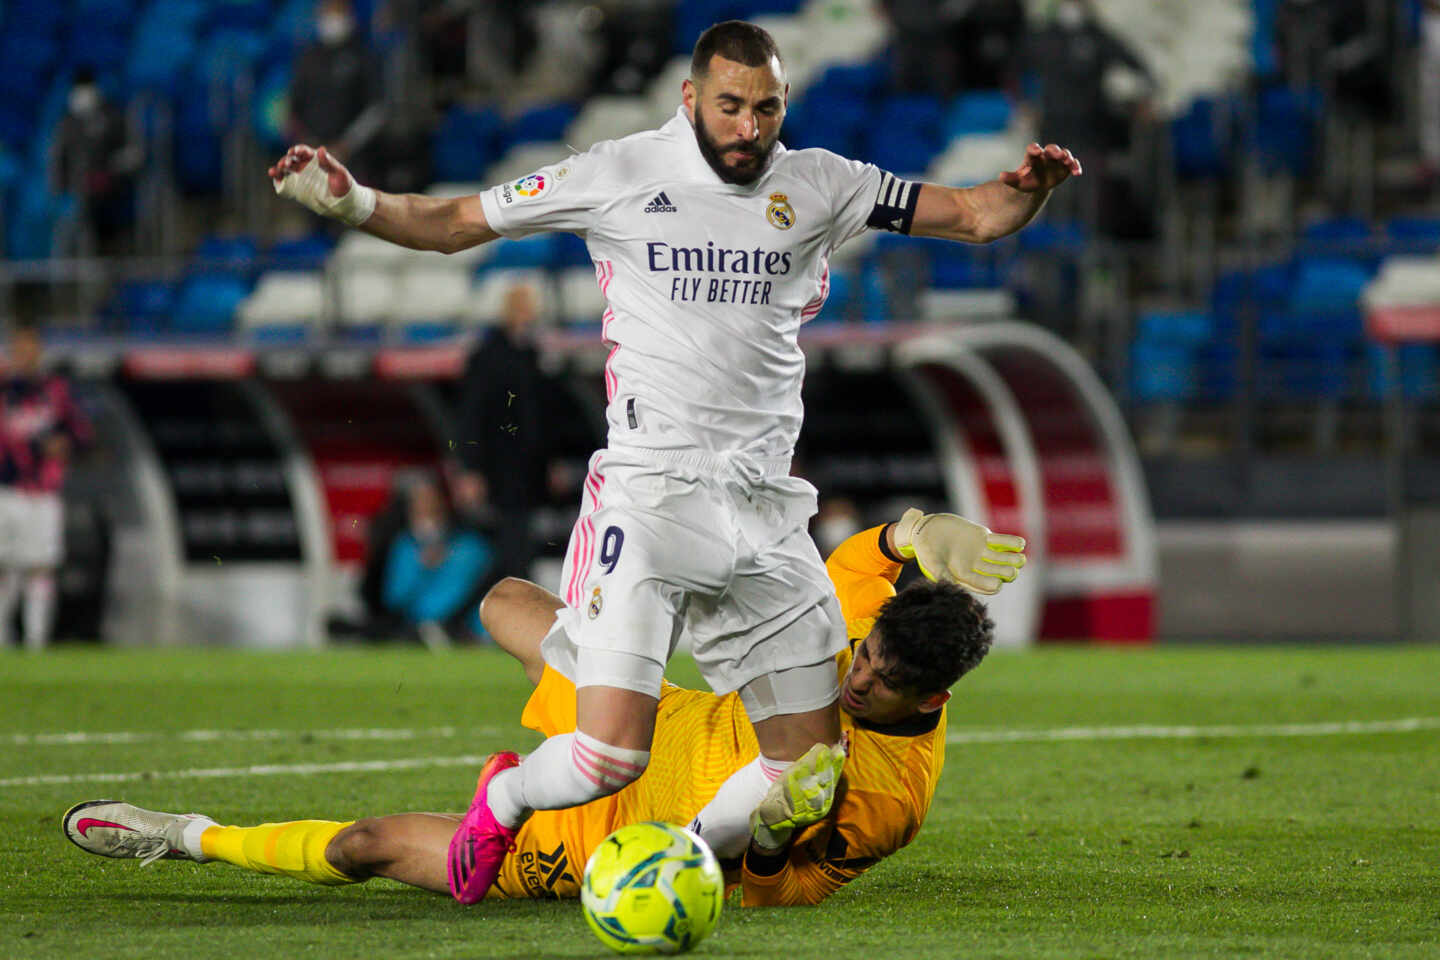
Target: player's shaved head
737	41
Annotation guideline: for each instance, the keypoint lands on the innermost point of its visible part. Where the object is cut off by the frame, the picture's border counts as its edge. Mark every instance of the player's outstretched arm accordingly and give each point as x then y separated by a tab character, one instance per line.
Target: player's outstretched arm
317	181
996	209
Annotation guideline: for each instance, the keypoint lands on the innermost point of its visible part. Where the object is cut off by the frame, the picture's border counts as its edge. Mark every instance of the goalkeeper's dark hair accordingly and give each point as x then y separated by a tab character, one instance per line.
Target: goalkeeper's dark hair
932	634
734	40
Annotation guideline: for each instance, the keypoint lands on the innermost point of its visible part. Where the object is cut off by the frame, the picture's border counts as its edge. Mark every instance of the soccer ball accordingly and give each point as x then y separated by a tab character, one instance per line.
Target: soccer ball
652	888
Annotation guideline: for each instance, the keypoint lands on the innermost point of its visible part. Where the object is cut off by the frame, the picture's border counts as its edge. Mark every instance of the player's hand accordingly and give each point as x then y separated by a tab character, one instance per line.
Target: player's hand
1044	168
317	181
801	796
949	547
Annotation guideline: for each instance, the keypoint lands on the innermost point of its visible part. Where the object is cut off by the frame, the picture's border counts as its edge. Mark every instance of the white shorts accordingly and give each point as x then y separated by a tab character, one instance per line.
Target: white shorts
793	690
32	529
674	541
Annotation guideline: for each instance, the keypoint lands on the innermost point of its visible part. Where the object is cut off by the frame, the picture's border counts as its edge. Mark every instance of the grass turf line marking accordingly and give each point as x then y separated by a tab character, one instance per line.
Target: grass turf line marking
1060	734
256	770
1220	731
82	737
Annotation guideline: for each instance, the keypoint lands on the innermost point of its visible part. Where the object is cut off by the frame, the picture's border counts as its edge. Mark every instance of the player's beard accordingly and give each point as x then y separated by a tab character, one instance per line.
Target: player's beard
714	154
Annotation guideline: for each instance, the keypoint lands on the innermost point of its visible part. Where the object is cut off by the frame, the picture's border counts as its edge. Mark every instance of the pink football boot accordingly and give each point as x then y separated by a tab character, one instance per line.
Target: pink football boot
480	845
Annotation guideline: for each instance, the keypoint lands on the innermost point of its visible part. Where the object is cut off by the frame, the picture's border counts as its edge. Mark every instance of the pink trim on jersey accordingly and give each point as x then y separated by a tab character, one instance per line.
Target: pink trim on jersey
812	309
582	539
604	273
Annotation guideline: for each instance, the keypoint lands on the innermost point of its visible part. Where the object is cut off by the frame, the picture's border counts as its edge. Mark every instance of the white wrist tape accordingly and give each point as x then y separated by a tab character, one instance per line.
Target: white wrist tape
311	189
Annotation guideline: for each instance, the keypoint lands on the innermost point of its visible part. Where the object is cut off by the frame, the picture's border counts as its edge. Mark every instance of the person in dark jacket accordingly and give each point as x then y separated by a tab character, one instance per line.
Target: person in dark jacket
501	448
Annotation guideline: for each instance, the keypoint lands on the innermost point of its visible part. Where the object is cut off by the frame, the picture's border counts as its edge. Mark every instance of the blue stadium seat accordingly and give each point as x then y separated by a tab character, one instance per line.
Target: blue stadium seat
1328	286
539	250
570	251
237	15
1048	235
1217	366
1419	371
856	81
465	144
140	306
30	225
1200	139
1413	235
229	53
1284	133
233	256
1338	237
1161	373
543	123
958	266
199	158
206	304
299	253
1189	328
159	58
978	111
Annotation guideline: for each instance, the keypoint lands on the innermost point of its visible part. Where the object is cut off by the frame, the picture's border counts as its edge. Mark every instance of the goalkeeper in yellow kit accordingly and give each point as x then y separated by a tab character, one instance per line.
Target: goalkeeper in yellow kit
834	813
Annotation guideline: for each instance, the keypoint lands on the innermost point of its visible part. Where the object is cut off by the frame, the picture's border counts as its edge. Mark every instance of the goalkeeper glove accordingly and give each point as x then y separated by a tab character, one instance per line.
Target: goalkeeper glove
949	547
313	188
801	796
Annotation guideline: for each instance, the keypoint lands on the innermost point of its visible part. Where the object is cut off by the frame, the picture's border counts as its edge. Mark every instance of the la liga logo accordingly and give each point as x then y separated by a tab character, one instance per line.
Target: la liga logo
531	186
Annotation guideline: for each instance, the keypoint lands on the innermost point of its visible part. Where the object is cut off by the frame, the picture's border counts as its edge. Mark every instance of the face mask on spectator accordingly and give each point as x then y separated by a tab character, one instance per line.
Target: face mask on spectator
84	99
334	28
1070	15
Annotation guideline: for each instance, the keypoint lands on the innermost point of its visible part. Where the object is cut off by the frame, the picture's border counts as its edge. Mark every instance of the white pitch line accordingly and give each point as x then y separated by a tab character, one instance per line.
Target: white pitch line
257	770
82	737
1059	734
1406	725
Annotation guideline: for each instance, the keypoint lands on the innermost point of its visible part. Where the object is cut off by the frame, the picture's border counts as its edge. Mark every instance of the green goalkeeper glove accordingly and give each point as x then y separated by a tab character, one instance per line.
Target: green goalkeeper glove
949	547
801	796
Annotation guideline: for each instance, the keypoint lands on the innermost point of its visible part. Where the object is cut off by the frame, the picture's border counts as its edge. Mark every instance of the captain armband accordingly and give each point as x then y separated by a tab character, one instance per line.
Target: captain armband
894	204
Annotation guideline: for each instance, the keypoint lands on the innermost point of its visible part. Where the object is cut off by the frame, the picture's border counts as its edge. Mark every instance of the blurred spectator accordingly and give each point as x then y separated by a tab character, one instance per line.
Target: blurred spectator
1429	60
1070	58
954	45
336	94
434	567
39	427
502	449
837	520
94	160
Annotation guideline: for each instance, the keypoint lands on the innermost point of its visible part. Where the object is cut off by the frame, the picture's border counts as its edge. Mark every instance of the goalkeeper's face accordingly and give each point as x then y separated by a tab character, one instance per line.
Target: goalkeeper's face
738	112
871	693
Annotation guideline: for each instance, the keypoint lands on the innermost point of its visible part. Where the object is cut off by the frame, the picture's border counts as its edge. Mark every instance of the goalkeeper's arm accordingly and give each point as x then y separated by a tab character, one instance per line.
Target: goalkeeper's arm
317	181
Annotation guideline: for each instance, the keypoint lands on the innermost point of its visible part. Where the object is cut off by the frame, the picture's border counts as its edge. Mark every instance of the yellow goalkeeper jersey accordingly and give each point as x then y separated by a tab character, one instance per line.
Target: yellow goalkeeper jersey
701	739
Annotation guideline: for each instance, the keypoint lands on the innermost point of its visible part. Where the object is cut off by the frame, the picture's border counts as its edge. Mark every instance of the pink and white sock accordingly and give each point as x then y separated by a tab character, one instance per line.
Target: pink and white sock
564	771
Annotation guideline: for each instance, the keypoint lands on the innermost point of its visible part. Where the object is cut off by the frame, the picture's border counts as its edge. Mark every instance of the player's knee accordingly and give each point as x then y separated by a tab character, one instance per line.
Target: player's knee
359	848
508	592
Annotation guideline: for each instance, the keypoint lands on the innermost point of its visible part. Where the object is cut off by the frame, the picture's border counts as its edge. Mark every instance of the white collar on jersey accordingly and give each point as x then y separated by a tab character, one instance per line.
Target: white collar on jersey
682	131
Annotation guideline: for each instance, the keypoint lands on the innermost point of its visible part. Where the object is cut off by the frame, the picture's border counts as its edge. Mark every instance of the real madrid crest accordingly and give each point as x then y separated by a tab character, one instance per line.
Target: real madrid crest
780	214
596	603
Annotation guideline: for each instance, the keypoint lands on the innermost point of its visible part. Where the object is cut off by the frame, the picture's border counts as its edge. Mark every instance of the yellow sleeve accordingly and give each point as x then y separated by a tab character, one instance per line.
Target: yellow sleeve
824	861
864	577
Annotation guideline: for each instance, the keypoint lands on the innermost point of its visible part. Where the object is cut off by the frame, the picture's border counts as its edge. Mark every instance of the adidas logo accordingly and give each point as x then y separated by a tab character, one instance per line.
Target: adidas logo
660	204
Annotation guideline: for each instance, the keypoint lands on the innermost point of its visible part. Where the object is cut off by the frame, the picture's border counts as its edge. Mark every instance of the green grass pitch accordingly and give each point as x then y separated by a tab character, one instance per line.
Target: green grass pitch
1097	841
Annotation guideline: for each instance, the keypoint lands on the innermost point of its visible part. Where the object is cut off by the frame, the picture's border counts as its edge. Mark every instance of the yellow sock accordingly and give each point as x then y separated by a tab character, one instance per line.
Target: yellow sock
295	849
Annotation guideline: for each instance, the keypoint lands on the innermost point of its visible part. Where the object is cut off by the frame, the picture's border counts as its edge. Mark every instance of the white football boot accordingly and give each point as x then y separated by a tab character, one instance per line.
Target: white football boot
113	828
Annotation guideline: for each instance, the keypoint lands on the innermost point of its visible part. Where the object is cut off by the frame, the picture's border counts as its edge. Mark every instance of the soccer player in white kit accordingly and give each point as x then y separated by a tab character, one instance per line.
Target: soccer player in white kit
711	242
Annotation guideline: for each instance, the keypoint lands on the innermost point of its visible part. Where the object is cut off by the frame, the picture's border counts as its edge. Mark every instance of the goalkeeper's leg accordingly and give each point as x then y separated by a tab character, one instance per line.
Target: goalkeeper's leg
409	847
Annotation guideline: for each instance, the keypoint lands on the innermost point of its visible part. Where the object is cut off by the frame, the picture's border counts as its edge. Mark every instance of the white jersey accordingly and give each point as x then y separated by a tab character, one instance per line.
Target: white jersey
706	283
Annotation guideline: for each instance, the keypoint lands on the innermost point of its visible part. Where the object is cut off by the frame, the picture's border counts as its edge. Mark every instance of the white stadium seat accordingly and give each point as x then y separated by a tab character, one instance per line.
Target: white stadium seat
580	298
366	296
525	158
607	118
433	290
284	298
